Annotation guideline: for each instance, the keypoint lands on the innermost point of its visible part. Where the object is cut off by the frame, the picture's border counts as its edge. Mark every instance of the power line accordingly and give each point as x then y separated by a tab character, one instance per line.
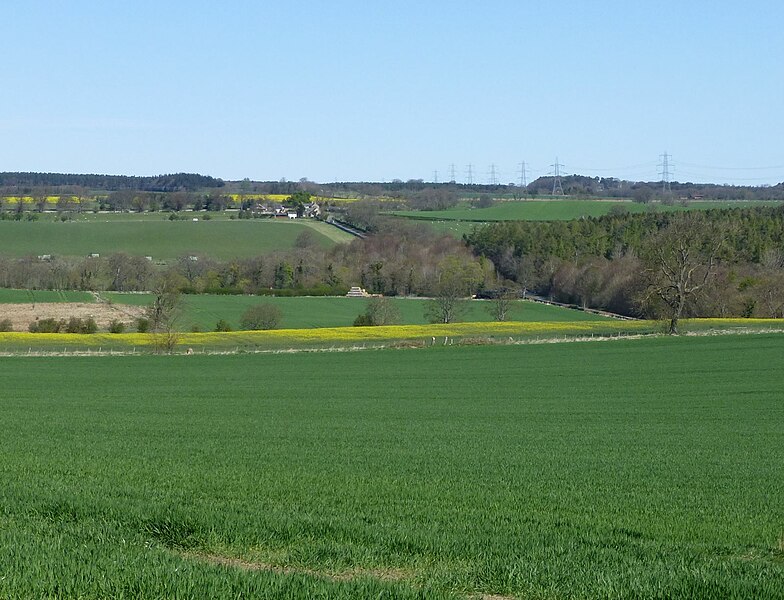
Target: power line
493	178
470	174
774	168
710	179
616	169
435	176
452	173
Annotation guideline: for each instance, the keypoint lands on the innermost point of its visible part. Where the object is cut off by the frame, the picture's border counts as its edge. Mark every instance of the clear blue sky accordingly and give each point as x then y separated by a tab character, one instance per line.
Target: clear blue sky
377	90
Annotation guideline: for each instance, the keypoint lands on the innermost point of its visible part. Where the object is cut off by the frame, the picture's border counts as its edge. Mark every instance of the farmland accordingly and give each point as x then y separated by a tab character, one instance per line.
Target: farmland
204	310
38	296
653	469
556	210
152	235
333	338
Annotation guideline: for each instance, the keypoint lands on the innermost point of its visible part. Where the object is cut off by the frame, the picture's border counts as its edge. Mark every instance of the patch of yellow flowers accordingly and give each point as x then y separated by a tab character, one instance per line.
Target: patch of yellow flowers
30	199
397	332
353	335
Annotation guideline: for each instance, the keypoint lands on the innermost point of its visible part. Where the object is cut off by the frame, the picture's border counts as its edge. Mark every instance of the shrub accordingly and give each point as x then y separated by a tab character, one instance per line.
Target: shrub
6	325
222	325
74	325
363	320
89	326
77	325
382	311
142	325
261	316
47	326
116	327
195	328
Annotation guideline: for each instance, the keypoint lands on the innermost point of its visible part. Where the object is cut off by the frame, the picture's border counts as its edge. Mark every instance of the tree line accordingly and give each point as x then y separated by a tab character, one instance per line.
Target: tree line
399	259
24	182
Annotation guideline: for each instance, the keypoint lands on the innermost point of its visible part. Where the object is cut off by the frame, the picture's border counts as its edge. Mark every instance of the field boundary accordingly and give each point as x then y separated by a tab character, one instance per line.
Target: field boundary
441	341
592	311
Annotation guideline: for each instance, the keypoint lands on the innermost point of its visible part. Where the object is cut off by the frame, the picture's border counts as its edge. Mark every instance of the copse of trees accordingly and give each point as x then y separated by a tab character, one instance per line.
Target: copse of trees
753	232
625	262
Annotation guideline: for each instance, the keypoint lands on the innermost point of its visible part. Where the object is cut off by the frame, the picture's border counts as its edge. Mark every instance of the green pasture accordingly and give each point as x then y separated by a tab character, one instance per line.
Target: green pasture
558	210
629	469
204	310
157	237
37	296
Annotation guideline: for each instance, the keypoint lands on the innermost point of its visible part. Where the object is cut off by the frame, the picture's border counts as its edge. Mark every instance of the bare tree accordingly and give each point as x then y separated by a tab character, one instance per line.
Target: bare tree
502	304
382	311
164	313
772	292
680	261
457	279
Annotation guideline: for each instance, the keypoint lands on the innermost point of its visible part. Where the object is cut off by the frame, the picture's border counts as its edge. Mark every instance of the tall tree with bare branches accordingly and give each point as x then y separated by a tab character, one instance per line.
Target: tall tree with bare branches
680	260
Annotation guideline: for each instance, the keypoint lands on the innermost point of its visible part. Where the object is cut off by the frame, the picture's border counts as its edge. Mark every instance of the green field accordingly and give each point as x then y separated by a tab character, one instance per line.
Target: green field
630	469
556	210
37	296
205	310
157	237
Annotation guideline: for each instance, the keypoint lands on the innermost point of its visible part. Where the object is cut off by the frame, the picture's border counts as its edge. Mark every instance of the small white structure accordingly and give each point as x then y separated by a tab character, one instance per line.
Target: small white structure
357	292
292	215
195	219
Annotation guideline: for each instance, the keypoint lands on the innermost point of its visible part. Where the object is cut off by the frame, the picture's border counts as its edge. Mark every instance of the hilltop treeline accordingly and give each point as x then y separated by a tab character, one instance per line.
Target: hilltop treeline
602	262
414	193
645	191
175	182
423	195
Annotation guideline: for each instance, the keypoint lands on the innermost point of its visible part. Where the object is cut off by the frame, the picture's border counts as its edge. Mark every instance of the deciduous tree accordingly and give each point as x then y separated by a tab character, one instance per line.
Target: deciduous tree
680	260
261	316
